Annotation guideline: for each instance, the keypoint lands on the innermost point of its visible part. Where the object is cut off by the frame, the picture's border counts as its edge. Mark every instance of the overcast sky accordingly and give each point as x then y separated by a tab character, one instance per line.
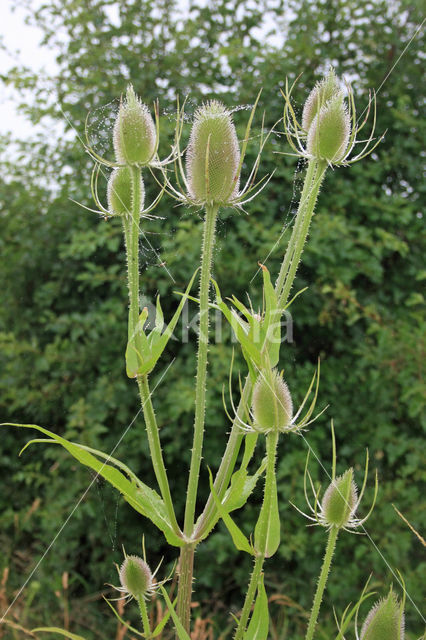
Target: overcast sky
23	42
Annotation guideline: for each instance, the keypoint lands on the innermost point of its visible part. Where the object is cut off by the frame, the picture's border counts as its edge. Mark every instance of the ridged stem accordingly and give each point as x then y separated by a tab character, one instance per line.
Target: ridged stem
322	581
250	595
131	231
311	187
313	180
155	449
262	534
145	619
187	552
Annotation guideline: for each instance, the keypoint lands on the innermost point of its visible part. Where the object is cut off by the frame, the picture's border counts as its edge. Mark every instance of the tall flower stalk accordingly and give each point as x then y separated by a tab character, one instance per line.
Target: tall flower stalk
325	137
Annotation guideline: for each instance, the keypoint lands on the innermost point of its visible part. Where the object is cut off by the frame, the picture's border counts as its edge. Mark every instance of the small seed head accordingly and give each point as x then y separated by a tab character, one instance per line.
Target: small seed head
323	91
272	405
329	132
385	620
134	131
213	133
120	192
136	577
339	501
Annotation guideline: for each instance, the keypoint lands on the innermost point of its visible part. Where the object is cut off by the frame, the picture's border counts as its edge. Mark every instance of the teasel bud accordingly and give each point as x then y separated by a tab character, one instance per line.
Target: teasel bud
120	192
339	501
325	90
385	620
272	407
134	131
213	155
136	577
329	132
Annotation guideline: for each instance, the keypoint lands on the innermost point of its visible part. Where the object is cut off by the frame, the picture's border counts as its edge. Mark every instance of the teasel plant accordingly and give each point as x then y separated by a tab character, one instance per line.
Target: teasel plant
207	177
336	512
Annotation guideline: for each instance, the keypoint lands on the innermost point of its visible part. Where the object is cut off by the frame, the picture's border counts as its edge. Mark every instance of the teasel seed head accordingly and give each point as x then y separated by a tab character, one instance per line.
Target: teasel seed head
134	131
136	577
272	406
213	155
324	90
339	501
385	620
120	192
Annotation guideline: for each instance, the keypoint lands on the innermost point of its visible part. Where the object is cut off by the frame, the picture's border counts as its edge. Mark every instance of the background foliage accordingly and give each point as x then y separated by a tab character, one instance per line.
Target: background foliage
63	313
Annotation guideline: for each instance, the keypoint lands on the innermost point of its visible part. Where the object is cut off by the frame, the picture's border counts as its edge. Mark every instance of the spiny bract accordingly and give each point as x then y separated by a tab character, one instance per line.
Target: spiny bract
272	405
213	180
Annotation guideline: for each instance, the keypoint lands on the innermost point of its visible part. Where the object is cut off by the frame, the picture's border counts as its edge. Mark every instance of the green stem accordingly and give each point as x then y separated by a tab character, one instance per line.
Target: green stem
313	180
261	535
251	593
145	619
131	231
325	569
312	183
187	552
155	449
186	568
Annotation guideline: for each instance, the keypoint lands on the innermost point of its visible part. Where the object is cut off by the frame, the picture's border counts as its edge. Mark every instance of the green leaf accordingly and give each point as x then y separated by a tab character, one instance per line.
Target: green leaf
65	634
238	537
132	354
123	622
153	345
267	531
160	626
178	625
259	622
242	486
141	497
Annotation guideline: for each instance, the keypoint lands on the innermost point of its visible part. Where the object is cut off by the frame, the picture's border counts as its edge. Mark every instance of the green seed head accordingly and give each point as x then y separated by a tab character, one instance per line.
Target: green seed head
329	132
213	155
120	192
385	620
272	406
323	91
134	131
136	577
339	501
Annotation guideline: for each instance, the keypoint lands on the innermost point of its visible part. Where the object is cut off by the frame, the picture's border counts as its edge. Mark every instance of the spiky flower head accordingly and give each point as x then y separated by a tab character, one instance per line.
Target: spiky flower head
213	155
272	407
324	90
134	134
340	500
136	577
385	620
329	131
120	192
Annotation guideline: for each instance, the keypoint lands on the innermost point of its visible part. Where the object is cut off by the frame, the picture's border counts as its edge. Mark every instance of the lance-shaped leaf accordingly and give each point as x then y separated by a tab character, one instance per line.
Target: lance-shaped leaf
182	635
58	631
267	531
259	623
142	498
142	361
238	537
259	335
